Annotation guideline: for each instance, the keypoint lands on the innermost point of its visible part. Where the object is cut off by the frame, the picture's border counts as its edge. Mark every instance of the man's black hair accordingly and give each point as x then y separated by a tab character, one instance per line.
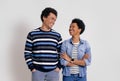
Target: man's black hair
47	11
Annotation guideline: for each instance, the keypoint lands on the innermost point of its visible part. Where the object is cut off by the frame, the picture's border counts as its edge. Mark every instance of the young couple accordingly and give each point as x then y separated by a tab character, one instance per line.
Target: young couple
45	53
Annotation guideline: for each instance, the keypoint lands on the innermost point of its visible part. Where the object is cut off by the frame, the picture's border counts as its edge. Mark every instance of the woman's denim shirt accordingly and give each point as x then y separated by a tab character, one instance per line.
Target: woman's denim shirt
83	48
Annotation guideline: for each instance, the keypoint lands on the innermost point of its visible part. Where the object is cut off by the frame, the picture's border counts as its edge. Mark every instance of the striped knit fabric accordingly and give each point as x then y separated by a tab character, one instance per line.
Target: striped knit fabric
41	50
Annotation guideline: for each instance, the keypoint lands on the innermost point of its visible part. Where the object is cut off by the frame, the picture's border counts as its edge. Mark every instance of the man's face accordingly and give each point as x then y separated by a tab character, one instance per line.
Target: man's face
49	21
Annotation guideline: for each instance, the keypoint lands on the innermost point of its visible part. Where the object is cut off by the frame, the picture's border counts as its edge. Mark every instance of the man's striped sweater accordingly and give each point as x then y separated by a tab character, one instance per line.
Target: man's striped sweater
42	50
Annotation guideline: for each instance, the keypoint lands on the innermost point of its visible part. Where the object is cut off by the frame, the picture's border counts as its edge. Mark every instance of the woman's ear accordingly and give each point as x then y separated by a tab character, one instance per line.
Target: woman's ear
79	30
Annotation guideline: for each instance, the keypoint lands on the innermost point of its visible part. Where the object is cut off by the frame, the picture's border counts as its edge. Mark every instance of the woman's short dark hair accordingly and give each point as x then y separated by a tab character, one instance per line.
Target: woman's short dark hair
80	24
47	11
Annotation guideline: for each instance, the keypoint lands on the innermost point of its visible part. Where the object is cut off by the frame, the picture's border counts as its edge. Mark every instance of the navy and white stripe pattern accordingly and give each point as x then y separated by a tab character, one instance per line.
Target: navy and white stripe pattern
41	50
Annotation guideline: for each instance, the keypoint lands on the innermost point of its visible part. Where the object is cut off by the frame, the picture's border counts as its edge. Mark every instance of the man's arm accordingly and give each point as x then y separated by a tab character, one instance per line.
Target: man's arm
28	52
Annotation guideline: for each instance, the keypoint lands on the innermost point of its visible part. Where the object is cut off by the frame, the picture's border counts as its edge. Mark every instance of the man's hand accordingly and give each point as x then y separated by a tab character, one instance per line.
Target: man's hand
33	70
57	69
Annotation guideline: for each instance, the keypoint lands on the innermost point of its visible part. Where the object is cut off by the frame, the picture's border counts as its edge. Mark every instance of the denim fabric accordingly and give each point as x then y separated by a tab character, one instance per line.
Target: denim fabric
74	77
83	48
45	76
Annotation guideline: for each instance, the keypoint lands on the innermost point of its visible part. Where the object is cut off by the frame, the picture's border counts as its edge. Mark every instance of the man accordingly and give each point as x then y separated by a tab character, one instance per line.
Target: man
42	49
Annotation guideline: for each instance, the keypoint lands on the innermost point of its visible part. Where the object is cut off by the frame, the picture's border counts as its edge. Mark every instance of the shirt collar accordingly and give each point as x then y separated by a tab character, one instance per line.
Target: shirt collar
81	41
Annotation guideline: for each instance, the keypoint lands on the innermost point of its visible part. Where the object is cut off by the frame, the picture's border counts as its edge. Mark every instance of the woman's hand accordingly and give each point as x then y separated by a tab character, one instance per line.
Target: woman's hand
66	57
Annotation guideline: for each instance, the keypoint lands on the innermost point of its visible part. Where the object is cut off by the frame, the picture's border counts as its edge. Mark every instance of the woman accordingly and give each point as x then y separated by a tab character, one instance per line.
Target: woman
75	53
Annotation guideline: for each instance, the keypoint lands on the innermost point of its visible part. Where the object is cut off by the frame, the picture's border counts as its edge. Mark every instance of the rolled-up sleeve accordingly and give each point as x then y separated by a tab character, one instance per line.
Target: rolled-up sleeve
88	51
63	50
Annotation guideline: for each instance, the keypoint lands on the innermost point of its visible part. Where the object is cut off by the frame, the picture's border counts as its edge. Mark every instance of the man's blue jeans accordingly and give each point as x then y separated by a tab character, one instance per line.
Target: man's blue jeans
74	77
45	76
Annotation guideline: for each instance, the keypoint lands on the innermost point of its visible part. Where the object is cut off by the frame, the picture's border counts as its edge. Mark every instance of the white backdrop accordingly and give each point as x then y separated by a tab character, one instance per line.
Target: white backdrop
102	19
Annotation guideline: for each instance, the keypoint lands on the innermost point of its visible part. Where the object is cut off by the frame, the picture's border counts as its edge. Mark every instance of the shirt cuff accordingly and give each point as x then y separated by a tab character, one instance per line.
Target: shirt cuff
86	62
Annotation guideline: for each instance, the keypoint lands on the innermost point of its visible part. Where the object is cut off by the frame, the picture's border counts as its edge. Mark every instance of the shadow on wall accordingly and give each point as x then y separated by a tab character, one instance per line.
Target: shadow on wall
19	69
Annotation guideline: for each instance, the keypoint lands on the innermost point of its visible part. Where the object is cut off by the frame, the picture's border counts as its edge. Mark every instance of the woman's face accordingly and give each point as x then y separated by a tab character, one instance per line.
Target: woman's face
74	30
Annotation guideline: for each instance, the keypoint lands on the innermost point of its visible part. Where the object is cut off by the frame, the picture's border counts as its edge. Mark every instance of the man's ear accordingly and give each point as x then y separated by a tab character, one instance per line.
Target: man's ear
44	18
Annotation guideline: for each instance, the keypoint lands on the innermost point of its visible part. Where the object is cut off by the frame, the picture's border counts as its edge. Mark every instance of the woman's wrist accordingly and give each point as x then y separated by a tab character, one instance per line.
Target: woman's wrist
72	60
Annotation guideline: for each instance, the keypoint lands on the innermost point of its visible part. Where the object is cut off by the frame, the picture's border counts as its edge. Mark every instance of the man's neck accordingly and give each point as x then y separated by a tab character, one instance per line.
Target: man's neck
44	28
